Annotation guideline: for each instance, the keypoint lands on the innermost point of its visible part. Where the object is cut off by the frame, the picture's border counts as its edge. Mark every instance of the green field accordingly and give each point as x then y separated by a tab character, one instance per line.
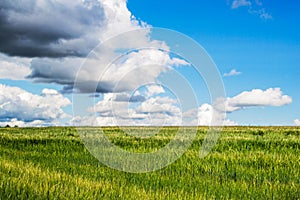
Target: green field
246	163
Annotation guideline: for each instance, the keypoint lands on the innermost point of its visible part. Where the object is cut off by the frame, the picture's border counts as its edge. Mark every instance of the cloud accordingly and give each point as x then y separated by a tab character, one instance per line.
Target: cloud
9	70
265	15
144	107
262	14
160	110
56	54
50	28
17	104
240	3
118	19
154	111
257	98
61	71
15	122
14	68
158	104
233	72
62	28
99	21
297	122
207	115
124	97
136	69
246	99
154	89
254	7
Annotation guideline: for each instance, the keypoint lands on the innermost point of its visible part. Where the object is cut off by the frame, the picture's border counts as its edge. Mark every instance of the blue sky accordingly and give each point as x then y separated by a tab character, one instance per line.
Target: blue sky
266	51
258	41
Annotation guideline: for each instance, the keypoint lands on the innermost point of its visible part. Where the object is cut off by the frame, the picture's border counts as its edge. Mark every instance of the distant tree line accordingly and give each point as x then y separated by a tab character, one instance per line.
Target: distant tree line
8	126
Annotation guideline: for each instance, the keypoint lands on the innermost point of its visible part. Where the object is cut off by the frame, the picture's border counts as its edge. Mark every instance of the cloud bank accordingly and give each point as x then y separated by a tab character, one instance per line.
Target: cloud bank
18	105
157	110
56	36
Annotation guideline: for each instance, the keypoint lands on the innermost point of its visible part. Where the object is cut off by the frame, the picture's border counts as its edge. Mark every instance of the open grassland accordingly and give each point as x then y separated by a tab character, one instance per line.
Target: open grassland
246	163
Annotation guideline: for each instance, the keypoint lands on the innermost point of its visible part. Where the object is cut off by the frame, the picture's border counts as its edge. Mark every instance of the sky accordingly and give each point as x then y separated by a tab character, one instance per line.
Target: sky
107	62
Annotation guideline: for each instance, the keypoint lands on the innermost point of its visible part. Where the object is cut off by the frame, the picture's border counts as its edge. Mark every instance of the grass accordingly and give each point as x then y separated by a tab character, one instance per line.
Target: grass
246	163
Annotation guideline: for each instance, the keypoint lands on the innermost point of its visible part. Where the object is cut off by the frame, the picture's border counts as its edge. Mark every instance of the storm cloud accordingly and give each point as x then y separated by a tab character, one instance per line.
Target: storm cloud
48	28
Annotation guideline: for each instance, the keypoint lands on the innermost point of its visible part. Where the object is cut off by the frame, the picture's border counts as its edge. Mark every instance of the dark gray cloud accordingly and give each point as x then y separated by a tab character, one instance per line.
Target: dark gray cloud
125	97
49	28
61	71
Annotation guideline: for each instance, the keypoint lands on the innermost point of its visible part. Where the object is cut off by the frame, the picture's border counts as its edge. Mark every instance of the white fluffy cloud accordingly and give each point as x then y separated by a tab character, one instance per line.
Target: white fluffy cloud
18	105
159	105
154	89
153	111
207	115
139	68
128	73
14	68
257	98
156	111
246	99
120	109
159	110
118	19
10	70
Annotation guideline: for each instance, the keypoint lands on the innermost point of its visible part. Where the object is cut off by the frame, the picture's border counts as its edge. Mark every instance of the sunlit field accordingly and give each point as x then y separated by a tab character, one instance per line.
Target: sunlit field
246	163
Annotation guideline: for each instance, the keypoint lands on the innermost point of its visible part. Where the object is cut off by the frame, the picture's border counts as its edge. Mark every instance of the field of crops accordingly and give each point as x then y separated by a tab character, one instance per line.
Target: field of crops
246	163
